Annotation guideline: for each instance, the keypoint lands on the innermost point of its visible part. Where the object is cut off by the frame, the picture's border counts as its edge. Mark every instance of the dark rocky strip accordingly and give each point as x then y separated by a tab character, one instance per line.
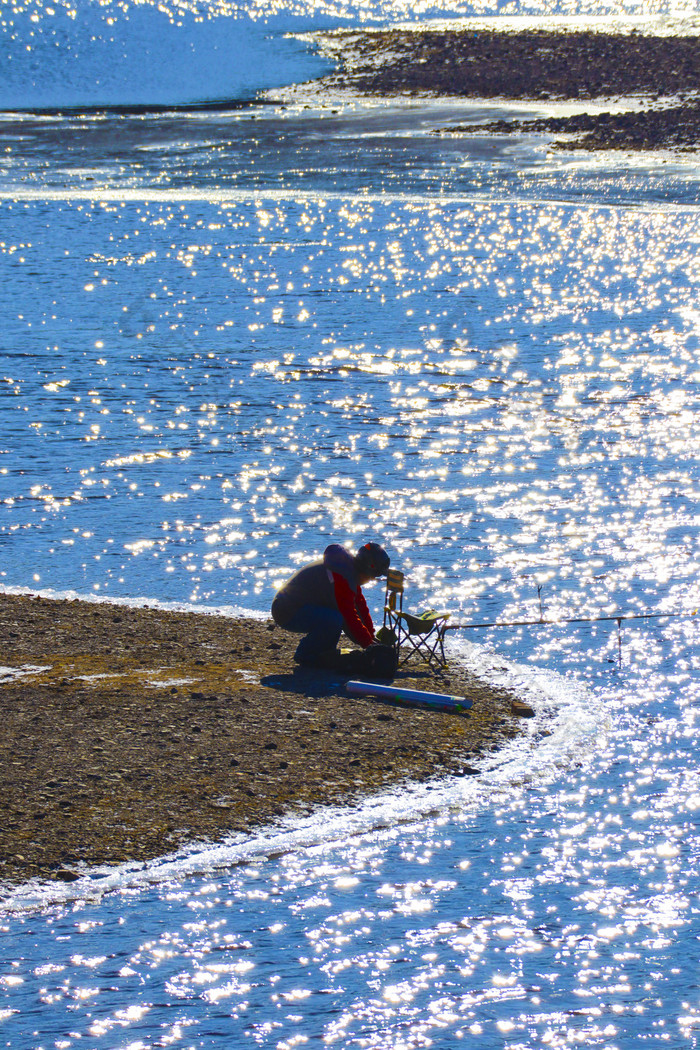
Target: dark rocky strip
676	127
150	729
542	65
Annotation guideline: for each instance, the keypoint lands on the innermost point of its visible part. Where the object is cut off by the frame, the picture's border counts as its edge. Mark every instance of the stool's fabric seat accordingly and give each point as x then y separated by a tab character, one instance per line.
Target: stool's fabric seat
423	623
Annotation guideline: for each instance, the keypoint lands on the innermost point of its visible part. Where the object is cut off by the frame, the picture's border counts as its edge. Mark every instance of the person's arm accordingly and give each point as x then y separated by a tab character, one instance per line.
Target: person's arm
347	604
363	611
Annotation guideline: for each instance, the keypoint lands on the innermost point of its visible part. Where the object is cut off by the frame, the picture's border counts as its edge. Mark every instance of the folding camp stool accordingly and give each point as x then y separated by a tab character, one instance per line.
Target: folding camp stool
421	635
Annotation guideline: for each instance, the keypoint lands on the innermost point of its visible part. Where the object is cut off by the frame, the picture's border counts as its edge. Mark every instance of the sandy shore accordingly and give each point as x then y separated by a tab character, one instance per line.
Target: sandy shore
539	65
140	730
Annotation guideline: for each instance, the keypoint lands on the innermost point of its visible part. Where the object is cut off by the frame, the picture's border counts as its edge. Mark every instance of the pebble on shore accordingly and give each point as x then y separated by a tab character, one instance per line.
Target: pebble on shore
129	732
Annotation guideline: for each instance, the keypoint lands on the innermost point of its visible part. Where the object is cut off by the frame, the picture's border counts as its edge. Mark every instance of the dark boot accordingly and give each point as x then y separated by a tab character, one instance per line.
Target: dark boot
352	661
327	660
377	661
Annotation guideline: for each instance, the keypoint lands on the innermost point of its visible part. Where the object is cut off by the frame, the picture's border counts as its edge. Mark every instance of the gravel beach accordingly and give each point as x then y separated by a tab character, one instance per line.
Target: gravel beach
129	732
659	75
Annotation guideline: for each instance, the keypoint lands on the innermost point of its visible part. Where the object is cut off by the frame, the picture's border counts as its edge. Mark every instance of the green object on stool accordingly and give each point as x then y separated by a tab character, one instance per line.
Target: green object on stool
386	636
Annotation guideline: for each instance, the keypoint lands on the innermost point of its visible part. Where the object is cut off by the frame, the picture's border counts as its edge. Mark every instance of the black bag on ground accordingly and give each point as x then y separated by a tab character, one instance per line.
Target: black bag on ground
377	660
381	661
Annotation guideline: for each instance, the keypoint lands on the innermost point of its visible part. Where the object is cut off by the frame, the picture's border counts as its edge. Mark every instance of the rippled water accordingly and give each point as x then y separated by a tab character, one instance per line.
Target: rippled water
195	391
552	904
228	338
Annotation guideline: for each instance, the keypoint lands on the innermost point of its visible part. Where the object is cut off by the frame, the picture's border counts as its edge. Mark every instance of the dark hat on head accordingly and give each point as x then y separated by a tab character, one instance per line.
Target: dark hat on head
373	559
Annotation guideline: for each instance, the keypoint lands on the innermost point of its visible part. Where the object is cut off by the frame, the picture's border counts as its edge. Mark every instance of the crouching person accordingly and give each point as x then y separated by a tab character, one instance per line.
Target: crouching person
325	599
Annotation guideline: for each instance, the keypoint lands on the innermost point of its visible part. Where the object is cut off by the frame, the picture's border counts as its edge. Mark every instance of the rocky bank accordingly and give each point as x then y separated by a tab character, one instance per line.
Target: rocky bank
129	732
658	74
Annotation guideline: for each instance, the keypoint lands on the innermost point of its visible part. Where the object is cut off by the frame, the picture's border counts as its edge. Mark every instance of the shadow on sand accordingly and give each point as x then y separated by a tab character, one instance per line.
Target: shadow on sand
309	681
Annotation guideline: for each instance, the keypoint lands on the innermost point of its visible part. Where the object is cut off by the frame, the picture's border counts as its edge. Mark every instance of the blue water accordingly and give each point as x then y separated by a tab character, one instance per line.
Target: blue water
230	337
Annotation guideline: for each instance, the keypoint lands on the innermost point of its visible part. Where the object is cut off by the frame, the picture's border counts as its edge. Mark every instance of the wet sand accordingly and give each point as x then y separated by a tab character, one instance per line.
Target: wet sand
141	730
540	65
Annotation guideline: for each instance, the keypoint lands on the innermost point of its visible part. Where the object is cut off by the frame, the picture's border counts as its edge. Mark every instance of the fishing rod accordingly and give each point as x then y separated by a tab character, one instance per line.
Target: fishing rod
617	618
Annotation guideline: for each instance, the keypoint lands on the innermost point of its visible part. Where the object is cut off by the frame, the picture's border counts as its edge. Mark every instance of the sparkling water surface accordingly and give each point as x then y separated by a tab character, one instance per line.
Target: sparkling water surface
230	338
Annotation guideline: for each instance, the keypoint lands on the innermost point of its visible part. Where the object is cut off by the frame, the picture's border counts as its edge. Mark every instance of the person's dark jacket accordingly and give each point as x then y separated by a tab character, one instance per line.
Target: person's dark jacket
331	584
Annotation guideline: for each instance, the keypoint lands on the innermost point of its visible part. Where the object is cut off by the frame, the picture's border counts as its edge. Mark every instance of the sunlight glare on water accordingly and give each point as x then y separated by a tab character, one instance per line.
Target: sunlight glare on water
229	339
536	916
504	393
